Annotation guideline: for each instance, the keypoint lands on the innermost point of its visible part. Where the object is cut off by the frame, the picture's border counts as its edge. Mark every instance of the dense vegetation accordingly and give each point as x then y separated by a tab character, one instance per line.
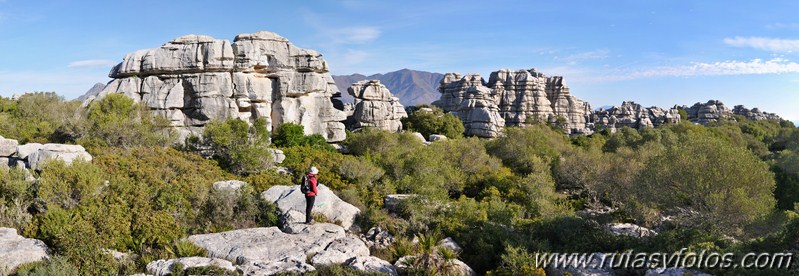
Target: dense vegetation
731	187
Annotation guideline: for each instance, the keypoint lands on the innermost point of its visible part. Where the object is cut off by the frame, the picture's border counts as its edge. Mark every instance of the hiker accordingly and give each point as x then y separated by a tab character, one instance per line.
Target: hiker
308	187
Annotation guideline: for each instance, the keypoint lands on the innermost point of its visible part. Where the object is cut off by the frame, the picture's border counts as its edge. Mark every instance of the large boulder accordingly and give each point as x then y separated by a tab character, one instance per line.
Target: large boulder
23	151
341	250
457	267
164	267
372	264
327	203
195	79
16	250
375	106
630	230
273	267
269	243
7	147
66	153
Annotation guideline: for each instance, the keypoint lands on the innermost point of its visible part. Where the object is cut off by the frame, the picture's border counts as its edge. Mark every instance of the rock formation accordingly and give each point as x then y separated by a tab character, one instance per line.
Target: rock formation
754	114
290	198
633	115
715	110
375	106
194	79
164	267
33	155
517	96
16	250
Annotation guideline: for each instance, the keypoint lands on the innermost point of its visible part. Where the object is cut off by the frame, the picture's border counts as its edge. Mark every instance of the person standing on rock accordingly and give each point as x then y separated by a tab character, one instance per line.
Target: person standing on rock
308	187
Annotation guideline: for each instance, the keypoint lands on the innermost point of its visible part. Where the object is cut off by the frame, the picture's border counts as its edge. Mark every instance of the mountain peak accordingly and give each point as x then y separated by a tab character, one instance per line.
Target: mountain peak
412	87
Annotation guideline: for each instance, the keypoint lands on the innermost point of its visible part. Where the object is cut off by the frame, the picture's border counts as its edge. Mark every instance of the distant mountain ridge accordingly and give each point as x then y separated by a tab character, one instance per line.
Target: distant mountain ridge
410	86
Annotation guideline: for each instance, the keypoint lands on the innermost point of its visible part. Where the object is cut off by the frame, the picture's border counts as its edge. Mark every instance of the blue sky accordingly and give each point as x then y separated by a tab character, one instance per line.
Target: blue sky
652	52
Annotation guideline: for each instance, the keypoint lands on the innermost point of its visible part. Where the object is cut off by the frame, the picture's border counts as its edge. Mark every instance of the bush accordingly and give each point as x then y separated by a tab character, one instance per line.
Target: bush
55	266
291	135
35	117
524	149
435	122
117	121
238	147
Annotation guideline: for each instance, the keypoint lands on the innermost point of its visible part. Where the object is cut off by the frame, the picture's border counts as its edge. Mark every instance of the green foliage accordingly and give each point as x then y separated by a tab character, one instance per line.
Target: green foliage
55	266
435	122
67	186
726	186
528	149
117	121
35	117
300	158
238	147
517	261
290	135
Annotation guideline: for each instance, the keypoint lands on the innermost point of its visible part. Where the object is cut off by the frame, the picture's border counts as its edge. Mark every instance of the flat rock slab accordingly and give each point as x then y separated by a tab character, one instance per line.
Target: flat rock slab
269	243
16	250
372	264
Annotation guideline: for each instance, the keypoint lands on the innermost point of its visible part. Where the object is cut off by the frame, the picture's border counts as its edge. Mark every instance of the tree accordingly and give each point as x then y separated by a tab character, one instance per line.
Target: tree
435	122
238	147
708	182
290	135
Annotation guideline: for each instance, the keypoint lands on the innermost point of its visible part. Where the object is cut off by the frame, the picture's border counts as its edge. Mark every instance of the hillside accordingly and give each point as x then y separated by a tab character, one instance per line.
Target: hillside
410	86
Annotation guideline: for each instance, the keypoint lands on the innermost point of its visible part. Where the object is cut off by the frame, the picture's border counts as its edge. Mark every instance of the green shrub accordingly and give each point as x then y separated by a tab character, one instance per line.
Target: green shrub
435	122
117	121
35	117
291	135
238	147
522	149
55	266
68	186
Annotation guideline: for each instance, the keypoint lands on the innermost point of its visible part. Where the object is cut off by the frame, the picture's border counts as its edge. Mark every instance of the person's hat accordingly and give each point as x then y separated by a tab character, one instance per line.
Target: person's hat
313	170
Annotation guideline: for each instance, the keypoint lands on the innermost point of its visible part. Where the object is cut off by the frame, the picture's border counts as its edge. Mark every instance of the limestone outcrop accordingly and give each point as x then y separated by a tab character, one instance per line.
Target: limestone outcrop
633	115
165	267
33	155
512	98
16	250
715	110
194	79
754	114
290	198
375	106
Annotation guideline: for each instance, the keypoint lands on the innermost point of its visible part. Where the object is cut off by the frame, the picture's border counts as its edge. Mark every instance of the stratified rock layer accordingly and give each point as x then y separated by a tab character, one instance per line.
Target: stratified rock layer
194	79
512	98
375	106
633	115
715	110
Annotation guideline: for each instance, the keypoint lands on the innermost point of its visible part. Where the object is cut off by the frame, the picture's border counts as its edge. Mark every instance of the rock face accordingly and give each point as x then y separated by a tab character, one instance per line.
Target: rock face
754	114
378	238
16	250
633	115
630	230
8	146
458	267
327	203
375	106
706	113
511	98
194	79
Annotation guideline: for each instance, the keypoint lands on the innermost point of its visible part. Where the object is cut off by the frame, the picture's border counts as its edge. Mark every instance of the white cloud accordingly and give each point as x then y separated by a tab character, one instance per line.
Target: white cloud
764	43
354	35
590	55
783	26
92	63
753	67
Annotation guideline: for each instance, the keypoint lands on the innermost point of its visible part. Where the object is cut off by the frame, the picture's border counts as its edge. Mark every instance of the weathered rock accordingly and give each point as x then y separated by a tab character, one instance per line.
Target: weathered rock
378	238
479	114
278	155
375	106
66	153
16	250
194	79
327	203
23	151
286	265
594	268
269	244
633	115
5	163
437	137
419	136
164	267
706	113
341	250
630	230
450	244
754	114
8	147
233	186
517	96
392	202
674	272
372	264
